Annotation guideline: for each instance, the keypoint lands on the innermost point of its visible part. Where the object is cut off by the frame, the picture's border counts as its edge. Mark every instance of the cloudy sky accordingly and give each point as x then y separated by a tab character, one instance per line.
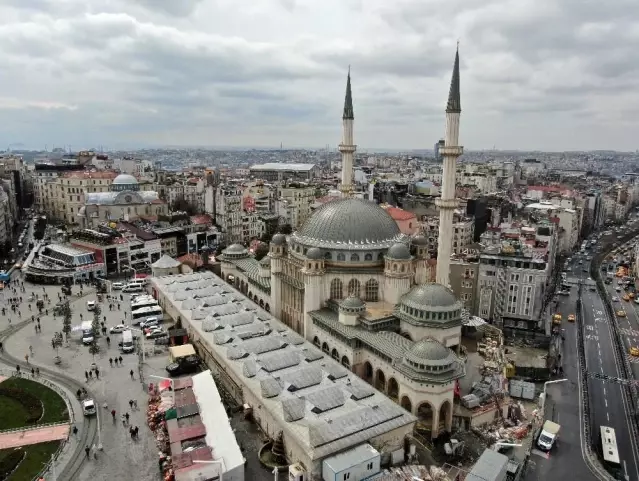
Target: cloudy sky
536	74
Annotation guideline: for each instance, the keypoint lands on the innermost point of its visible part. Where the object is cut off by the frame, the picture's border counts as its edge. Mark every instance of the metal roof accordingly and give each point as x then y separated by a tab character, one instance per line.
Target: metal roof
283	167
305	392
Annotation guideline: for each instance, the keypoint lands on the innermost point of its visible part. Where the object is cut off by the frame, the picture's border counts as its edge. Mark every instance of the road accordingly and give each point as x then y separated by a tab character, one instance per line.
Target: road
562	401
607	405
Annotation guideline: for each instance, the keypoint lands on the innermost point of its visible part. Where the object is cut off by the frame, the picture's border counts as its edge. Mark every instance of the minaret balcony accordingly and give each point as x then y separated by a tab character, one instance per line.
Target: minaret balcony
446	203
347	149
451	151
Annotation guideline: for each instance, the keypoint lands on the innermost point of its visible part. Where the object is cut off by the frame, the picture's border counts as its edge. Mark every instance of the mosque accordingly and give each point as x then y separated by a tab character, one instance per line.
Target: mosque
351	282
125	201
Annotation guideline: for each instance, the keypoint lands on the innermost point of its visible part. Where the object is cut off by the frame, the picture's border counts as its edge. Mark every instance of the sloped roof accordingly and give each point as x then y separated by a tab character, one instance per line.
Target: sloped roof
166	262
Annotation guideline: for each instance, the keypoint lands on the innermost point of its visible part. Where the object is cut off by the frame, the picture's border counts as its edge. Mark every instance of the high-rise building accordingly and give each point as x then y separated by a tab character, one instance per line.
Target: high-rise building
447	202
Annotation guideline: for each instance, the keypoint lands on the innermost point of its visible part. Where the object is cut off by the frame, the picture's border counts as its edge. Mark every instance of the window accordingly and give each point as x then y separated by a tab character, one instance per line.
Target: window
354	258
368	257
514	277
347	476
372	291
530	279
341	257
369	466
337	289
353	288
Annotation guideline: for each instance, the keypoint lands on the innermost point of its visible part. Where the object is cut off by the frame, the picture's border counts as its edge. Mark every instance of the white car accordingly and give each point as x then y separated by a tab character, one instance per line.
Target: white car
88	407
150	322
615	299
117	329
117	286
90	305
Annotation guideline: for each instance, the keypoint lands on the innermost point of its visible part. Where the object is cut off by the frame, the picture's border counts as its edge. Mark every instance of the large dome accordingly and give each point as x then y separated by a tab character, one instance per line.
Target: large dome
348	223
431	296
125	179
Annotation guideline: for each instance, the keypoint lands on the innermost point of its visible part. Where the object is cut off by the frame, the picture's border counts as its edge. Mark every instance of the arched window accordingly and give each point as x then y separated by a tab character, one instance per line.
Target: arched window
354	258
327	256
337	289
368	257
372	290
341	257
353	287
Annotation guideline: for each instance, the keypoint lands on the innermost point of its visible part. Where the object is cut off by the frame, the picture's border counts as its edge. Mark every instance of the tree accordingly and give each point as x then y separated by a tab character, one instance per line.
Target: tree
285	229
66	319
260	252
56	342
94	348
182	205
95	325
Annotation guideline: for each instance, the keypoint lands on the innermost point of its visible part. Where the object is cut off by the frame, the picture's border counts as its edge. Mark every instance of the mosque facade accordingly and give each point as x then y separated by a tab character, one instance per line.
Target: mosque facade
125	201
349	281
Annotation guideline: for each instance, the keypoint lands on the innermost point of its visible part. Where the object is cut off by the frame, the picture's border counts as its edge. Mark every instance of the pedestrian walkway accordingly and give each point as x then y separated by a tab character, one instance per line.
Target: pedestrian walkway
16	439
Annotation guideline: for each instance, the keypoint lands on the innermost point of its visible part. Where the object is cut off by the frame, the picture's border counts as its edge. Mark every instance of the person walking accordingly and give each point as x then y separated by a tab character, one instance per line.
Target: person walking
26	358
135	431
86	375
131	373
31	350
113	415
87	450
90	374
75	430
131	404
120	360
111	361
97	373
126	416
123	418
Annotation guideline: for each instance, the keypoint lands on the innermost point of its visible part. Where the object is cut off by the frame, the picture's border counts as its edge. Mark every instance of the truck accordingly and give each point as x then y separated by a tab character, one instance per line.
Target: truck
548	436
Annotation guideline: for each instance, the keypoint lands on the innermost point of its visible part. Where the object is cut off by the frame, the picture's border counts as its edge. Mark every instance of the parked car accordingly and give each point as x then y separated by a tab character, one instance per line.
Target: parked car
151	321
184	365
90	305
117	286
157	334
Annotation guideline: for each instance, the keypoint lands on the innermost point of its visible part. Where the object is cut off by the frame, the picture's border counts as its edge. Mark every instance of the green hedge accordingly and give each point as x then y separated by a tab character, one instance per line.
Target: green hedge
10	461
31	403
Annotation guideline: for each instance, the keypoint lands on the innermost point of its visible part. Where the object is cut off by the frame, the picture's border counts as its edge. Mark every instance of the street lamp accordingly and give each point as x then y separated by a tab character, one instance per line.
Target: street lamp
215	461
172	387
542	396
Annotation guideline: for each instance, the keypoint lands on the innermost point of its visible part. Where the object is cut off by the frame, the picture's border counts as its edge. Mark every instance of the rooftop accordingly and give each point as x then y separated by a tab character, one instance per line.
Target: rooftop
283	167
323	406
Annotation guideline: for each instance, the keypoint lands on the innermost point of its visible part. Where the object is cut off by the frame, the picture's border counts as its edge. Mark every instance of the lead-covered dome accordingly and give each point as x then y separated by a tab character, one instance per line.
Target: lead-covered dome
399	252
125	179
348	223
431	351
431	305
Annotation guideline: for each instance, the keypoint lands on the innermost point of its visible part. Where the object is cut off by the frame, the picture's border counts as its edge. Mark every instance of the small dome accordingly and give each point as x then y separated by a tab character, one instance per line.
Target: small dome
431	296
314	254
125	179
430	351
278	239
235	249
352	302
419	240
399	251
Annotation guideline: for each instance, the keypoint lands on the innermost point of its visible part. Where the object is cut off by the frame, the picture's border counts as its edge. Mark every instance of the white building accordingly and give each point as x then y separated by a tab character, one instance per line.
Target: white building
290	385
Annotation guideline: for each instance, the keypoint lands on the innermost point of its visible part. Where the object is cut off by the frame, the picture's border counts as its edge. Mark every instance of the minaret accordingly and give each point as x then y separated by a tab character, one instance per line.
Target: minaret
346	147
447	202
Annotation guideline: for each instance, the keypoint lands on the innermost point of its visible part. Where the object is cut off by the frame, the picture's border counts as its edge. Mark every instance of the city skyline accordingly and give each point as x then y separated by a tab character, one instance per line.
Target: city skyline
536	76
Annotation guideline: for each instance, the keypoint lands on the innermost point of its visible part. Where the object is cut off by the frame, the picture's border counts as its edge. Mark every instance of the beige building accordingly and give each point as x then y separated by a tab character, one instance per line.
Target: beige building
294	203
70	189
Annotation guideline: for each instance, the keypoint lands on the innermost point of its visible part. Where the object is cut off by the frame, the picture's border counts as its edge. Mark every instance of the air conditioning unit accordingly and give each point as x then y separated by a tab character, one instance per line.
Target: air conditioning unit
296	473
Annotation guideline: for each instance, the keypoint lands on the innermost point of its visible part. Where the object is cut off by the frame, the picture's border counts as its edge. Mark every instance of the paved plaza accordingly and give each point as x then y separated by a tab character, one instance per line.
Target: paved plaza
24	437
121	456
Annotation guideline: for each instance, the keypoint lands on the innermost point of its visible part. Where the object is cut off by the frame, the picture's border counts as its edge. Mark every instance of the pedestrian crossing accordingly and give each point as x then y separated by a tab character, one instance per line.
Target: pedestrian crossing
632	359
629	332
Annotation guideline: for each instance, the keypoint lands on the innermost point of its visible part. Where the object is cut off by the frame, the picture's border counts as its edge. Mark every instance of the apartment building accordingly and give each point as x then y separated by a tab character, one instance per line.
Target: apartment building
515	269
294	203
463	232
567	221
237	224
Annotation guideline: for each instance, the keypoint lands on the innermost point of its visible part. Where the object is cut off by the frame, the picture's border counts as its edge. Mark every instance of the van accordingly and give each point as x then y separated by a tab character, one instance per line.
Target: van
132	288
116	286
90	305
141	282
127	342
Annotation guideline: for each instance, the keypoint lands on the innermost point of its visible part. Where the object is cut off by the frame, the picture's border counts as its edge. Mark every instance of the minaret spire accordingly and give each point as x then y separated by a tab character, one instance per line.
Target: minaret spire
348	99
347	147
454	100
450	152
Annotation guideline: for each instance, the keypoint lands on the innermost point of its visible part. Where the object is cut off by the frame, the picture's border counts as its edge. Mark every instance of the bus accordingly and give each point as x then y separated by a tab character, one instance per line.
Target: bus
143	301
609	449
144	313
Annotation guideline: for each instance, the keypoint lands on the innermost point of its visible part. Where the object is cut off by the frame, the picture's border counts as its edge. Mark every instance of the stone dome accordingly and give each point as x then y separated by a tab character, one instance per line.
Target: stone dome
235	251
314	254
430	352
352	304
125	179
278	239
399	251
419	240
349	224
431	296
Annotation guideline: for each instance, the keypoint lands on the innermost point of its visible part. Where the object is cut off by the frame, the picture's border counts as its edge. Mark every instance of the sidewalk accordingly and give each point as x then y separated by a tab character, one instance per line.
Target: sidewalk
26	437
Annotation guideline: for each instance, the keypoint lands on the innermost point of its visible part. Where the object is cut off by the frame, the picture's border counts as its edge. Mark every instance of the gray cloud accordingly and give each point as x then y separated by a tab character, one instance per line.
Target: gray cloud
207	72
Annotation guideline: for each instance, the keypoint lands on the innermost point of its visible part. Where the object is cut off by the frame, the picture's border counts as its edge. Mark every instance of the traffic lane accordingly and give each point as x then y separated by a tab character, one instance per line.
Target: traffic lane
607	405
566	460
628	326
